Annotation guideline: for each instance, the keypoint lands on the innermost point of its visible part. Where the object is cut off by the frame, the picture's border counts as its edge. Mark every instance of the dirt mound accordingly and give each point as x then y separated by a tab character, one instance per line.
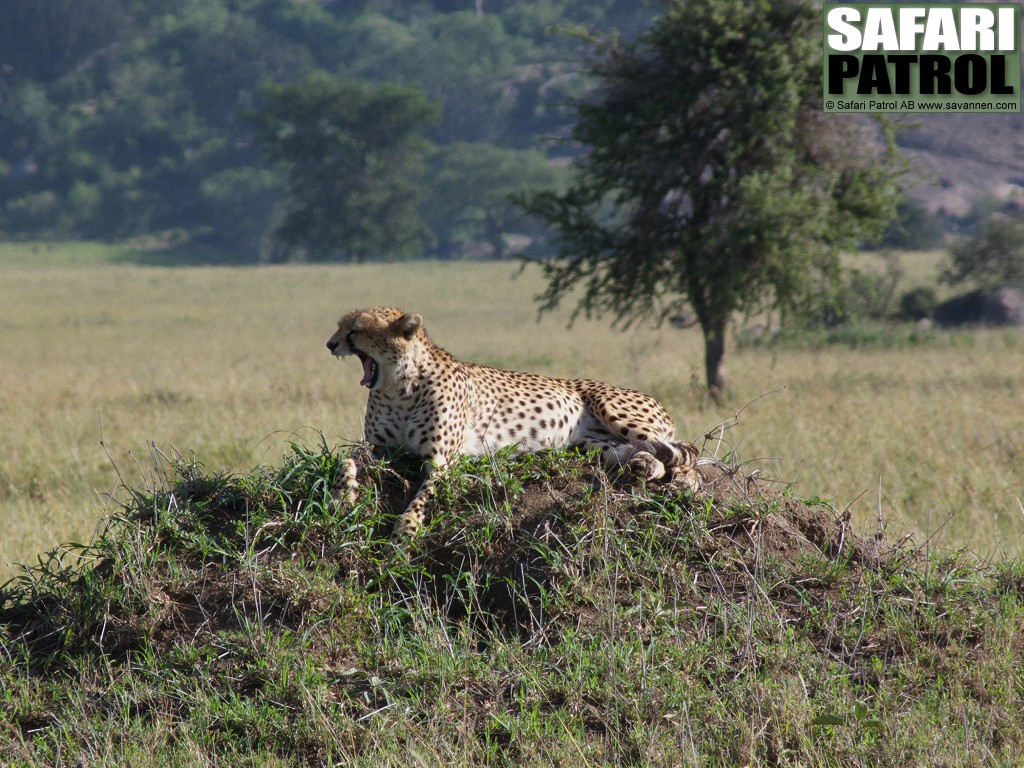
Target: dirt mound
791	528
502	531
211	553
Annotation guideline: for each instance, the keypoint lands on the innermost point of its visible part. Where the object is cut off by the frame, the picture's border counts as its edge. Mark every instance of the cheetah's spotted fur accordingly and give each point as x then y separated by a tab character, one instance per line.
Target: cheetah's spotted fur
423	399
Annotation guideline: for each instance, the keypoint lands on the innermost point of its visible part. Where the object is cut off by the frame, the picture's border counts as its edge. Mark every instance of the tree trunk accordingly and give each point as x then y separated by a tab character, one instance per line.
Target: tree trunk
714	358
493	234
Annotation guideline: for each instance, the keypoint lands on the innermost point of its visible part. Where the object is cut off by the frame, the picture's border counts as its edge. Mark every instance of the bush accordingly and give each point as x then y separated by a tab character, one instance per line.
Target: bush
914	229
84	200
857	295
917	303
33	212
993	256
868	295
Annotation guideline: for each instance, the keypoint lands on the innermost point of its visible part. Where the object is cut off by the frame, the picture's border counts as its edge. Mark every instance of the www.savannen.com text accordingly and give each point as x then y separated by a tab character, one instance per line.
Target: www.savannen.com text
903	105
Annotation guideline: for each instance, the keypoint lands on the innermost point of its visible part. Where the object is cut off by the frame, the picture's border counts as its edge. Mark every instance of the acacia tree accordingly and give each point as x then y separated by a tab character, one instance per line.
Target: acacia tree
353	155
711	174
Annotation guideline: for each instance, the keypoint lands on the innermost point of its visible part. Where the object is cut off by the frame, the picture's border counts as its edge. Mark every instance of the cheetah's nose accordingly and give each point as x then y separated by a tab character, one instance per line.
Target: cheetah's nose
332	344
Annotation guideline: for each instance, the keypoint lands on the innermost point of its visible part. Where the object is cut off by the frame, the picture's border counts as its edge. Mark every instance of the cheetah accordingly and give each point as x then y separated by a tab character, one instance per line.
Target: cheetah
423	399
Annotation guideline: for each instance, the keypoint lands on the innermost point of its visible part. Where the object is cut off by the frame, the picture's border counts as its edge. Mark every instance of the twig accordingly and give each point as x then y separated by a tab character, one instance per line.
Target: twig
731	422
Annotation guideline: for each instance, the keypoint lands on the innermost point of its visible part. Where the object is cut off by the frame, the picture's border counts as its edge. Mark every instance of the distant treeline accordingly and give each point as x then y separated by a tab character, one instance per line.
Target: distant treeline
133	119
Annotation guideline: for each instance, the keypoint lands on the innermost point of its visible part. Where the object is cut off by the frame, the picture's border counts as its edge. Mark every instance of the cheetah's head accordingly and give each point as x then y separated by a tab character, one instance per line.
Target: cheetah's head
381	338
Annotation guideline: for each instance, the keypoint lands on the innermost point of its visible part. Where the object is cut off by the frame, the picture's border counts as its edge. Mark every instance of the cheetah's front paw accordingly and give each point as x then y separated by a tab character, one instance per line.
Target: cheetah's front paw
347	489
406	528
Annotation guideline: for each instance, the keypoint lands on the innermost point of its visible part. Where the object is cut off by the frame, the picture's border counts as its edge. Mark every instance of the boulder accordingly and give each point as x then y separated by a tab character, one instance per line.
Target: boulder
998	307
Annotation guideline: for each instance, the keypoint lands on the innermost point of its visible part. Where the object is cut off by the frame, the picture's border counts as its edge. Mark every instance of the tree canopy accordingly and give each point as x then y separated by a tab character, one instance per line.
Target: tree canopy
710	174
353	156
470	204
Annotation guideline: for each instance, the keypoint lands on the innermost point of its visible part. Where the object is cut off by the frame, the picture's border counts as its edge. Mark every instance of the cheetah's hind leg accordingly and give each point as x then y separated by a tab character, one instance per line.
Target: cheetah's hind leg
657	460
637	459
685	473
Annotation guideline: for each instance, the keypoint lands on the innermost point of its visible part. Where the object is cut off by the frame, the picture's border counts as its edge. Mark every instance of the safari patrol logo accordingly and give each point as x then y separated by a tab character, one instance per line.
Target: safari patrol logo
922	58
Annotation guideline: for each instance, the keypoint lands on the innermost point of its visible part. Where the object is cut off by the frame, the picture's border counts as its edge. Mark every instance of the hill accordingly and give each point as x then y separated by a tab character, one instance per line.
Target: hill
549	615
131	121
962	159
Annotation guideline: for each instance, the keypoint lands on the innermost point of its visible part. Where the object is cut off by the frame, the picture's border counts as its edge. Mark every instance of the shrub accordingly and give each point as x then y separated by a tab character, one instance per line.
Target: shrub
917	303
914	229
993	256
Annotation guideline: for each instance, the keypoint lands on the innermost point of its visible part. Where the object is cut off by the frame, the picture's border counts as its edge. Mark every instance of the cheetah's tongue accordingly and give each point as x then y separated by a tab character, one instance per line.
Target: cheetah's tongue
368	371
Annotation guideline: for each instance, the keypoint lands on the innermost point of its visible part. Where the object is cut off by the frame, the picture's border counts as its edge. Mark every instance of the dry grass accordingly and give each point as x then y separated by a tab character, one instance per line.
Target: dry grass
230	364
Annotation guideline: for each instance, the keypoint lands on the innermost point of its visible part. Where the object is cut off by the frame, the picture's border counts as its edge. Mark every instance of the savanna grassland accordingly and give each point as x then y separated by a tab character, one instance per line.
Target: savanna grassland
229	611
922	429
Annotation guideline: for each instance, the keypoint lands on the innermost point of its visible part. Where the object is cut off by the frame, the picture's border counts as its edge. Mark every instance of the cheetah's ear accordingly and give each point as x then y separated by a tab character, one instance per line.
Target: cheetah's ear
407	325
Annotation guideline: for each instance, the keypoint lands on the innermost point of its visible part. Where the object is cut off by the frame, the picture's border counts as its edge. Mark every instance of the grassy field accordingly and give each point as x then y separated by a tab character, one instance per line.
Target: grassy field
925	432
234	614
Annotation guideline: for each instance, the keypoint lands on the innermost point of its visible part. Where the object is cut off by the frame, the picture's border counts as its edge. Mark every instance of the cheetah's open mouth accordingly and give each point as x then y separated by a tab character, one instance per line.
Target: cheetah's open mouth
371	371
